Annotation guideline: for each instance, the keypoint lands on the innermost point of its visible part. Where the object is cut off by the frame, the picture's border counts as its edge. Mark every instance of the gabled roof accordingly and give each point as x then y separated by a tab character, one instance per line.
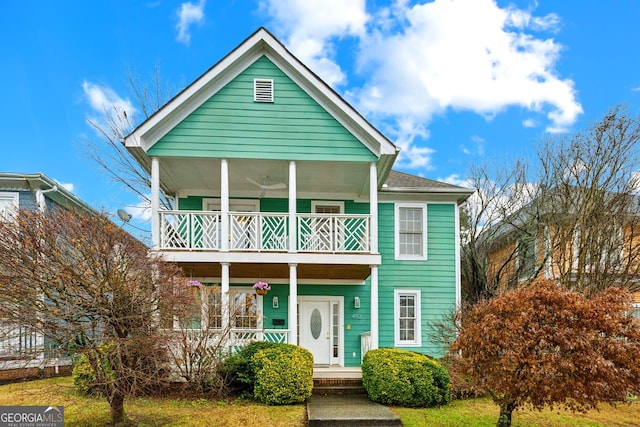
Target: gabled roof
258	44
40	182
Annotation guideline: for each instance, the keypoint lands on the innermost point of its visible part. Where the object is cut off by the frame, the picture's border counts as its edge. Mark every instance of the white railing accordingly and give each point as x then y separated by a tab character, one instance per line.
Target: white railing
231	343
258	232
333	233
189	230
365	344
265	232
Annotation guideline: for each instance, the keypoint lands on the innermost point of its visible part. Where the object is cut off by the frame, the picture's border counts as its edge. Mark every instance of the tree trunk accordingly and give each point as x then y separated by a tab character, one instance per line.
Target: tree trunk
116	404
506	409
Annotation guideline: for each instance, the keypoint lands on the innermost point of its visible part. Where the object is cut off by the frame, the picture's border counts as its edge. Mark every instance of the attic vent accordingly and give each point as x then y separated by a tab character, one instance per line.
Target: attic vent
263	90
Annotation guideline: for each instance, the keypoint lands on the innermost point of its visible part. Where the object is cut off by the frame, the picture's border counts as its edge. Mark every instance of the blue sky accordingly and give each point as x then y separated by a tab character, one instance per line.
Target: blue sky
452	82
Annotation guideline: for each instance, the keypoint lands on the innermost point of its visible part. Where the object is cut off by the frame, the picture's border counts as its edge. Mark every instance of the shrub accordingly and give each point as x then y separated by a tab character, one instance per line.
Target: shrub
84	375
404	378
284	374
240	370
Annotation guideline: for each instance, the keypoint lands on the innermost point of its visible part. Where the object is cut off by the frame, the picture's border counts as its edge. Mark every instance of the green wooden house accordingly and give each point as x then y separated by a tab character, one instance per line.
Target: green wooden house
276	179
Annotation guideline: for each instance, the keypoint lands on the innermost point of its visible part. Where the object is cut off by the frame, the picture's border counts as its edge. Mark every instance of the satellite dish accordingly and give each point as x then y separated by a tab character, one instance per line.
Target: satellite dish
124	215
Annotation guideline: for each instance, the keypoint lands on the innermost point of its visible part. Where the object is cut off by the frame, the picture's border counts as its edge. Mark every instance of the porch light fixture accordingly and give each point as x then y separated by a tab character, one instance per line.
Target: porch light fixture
274	302
356	302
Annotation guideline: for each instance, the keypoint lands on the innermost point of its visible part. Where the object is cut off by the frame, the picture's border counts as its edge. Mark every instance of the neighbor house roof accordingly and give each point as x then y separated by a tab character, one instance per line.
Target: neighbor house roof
40	182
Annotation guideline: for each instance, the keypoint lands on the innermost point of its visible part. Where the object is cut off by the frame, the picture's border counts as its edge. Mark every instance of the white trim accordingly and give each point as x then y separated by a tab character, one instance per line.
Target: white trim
259	44
396	231
271	257
458	242
332	203
332	300
216	202
396	318
155	202
13	198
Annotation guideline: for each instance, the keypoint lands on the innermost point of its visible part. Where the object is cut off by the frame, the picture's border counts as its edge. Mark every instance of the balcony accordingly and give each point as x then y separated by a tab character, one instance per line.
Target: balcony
265	232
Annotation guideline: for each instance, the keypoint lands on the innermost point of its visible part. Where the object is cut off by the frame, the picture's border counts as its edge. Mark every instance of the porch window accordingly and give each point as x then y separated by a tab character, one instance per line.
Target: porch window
410	231
206	311
407	318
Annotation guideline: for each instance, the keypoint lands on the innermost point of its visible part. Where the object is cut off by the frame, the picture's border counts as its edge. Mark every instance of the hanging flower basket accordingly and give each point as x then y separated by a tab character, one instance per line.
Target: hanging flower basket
261	288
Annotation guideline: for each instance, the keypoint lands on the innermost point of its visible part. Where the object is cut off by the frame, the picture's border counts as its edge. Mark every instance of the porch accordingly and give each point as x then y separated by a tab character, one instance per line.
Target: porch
264	232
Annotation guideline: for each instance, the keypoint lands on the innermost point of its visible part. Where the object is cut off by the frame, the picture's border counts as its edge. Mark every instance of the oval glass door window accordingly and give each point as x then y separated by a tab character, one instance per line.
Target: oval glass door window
315	323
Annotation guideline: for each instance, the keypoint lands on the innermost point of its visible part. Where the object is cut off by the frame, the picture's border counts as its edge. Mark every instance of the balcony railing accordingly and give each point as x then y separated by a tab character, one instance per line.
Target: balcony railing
265	232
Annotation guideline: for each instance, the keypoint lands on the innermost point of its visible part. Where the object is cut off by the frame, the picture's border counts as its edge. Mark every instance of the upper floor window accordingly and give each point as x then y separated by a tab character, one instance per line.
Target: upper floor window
411	231
8	205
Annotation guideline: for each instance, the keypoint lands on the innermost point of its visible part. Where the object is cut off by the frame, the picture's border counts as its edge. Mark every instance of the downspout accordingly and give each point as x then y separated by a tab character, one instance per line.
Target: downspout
40	201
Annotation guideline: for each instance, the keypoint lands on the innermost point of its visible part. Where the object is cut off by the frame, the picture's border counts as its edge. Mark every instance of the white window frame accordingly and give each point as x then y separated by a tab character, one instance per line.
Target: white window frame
398	255
13	198
397	293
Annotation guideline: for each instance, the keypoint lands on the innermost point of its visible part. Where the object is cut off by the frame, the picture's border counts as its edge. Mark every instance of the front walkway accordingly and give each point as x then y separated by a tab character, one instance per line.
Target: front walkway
348	410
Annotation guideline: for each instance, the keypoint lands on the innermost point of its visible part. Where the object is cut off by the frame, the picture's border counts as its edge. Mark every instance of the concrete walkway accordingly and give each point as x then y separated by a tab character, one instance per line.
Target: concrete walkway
354	410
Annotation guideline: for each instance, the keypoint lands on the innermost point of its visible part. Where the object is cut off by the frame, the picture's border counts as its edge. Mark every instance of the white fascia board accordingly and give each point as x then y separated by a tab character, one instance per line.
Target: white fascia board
271	257
261	43
428	194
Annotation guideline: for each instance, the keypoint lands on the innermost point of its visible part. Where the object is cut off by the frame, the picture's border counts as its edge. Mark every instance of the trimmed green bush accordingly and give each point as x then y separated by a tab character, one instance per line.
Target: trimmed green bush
240	370
404	378
284	375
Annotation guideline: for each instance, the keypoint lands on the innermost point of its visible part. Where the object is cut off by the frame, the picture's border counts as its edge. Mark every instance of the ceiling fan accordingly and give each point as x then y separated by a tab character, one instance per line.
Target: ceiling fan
265	187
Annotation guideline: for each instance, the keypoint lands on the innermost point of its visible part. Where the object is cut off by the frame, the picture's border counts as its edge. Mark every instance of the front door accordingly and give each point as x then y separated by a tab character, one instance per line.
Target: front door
315	330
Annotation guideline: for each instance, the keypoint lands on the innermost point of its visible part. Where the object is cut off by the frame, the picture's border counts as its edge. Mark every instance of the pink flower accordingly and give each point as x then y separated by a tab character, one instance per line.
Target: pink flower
262	285
193	284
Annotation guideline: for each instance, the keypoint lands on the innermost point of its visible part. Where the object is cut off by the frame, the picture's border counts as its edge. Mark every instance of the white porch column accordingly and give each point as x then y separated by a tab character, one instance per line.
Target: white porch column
293	229
224	205
224	293
374	307
155	202
293	304
373	206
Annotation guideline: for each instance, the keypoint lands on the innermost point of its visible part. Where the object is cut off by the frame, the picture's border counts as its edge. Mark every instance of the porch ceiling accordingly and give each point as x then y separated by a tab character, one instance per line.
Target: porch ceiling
201	176
279	271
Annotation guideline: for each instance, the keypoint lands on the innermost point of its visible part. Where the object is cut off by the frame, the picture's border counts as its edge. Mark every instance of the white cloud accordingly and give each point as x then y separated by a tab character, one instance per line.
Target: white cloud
422	60
189	14
446	57
103	99
67	186
529	123
636	89
309	26
455	179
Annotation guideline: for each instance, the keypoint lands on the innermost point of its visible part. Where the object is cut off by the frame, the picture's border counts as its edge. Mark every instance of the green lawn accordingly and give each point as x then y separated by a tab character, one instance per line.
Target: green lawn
83	411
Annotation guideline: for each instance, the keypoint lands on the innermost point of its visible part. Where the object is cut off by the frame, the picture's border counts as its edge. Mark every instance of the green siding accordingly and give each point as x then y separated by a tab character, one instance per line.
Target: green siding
194	203
231	125
435	277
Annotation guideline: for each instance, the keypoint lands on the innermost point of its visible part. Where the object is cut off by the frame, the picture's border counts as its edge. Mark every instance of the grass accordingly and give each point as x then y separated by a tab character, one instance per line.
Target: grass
158	411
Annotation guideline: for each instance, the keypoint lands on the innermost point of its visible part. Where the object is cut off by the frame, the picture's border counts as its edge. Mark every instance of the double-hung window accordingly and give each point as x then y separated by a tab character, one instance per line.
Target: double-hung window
407	318
411	231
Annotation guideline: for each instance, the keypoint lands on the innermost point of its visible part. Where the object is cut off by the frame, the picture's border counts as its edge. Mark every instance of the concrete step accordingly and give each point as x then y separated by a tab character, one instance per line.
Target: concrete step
356	411
338	386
